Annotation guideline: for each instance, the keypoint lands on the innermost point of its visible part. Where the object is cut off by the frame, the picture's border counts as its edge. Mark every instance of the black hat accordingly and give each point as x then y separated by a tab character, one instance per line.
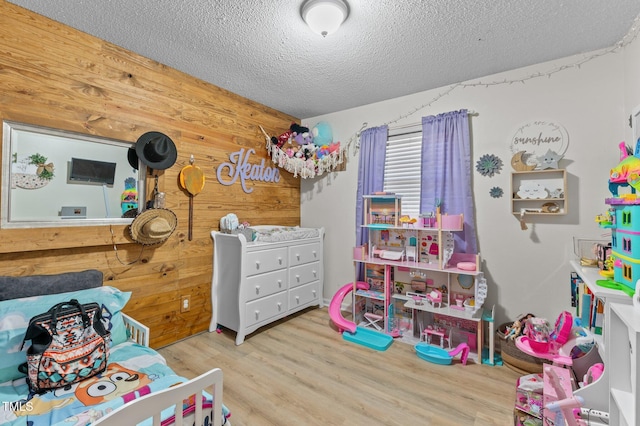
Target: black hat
132	157
156	150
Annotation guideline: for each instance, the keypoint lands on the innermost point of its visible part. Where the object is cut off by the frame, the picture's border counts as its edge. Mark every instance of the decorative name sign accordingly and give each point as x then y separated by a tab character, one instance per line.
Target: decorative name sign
240	168
538	137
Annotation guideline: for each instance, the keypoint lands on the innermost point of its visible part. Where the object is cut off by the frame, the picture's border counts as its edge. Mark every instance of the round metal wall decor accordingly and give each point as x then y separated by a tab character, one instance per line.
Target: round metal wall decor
538	137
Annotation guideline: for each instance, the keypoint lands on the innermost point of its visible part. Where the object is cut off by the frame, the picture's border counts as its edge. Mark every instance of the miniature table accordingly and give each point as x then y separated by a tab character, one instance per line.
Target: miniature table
439	332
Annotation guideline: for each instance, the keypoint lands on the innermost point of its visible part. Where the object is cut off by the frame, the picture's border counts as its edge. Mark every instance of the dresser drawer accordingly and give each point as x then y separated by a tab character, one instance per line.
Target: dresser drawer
304	274
265	284
265	308
262	261
302	295
304	253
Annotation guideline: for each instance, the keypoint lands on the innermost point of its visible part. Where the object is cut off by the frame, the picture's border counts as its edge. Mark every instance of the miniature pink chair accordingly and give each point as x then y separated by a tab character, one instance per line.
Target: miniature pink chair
435	297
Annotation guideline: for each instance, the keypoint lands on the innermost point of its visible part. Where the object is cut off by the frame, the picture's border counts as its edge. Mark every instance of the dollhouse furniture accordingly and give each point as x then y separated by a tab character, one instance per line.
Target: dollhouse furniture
373	320
441	333
435	298
433	278
21	298
257	282
441	356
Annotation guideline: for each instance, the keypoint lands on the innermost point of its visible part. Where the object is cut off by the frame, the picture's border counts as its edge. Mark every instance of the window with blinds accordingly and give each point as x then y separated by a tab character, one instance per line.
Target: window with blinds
402	167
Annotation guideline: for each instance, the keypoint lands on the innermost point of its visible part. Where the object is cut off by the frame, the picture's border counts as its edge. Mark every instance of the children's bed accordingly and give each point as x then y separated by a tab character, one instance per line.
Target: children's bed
137	387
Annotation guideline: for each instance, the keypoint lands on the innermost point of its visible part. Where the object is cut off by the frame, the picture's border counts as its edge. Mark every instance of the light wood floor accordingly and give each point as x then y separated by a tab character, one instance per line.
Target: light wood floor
300	371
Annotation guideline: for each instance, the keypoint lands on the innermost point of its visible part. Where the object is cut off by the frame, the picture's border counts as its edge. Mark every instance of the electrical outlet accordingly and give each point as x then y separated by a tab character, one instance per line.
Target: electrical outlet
186	303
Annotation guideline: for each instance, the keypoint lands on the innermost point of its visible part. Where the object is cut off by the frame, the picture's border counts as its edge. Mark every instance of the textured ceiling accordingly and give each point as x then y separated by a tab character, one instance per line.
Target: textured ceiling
262	50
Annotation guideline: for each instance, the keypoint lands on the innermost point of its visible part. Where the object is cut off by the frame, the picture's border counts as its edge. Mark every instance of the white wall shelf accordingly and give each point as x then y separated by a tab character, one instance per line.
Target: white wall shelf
554	182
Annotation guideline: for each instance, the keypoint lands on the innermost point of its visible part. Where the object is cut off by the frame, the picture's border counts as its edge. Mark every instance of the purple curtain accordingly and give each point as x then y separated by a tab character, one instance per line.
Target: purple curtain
446	172
373	151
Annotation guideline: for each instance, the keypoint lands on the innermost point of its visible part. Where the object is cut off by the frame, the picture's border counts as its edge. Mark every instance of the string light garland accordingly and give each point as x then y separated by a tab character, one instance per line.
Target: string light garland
631	35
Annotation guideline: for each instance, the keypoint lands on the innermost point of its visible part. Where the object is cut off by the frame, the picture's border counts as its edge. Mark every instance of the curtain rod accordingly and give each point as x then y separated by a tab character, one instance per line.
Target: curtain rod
404	126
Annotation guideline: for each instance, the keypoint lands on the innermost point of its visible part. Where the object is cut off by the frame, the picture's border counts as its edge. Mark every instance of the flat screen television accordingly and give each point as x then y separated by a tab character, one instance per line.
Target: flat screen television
92	171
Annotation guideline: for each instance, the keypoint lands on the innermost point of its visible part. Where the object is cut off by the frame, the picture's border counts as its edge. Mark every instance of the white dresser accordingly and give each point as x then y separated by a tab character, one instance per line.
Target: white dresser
256	283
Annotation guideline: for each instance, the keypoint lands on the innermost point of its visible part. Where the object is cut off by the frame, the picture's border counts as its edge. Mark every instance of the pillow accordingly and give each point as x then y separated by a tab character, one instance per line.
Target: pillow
36	285
15	315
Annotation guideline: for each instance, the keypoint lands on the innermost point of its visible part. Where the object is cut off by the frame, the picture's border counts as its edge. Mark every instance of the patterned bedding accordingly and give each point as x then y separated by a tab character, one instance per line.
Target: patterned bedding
274	233
133	371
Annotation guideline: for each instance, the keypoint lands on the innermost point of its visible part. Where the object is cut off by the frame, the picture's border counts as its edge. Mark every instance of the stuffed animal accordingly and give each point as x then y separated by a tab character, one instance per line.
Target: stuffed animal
308	150
229	223
322	151
322	134
303	138
296	128
283	138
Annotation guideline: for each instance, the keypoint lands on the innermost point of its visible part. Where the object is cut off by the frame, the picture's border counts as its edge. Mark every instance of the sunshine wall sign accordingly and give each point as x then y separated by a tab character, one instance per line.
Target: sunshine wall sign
536	138
239	168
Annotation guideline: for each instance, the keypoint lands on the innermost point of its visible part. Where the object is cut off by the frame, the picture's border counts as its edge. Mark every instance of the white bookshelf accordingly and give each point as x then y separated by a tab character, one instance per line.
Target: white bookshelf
623	340
596	395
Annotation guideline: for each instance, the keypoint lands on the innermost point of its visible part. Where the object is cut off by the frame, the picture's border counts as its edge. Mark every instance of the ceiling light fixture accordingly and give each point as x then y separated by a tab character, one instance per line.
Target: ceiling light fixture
324	16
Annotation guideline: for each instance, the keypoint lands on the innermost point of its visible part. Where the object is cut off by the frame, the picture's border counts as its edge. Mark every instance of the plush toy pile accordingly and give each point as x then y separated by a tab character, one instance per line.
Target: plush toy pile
306	152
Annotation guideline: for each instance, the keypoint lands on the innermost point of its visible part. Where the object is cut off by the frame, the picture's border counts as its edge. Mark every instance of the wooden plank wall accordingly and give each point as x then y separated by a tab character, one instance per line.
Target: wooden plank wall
55	76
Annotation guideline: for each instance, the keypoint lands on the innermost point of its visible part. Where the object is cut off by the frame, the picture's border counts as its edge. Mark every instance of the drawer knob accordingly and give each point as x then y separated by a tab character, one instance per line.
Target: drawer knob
257	264
298	256
298	278
257	289
315	273
314	293
280	260
315	254
279	306
280	283
257	314
298	300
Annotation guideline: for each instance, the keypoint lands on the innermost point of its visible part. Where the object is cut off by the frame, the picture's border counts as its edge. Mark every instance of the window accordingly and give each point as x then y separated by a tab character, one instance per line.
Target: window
626	271
402	167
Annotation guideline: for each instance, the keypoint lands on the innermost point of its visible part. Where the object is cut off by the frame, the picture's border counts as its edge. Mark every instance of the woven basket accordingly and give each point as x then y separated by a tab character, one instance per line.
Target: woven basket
514	358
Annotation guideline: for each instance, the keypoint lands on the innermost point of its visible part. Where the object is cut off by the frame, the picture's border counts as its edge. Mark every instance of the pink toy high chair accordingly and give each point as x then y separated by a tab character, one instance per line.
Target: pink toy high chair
435	297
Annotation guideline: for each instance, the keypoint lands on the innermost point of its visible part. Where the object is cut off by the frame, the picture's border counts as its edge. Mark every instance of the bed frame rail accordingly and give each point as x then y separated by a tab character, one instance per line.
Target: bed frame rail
138	332
151	405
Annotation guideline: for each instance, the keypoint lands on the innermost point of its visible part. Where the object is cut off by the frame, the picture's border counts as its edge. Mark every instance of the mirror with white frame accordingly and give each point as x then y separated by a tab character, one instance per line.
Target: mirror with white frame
54	178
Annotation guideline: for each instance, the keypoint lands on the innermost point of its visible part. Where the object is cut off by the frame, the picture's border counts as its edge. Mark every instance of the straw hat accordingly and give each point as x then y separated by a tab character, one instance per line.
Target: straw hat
153	226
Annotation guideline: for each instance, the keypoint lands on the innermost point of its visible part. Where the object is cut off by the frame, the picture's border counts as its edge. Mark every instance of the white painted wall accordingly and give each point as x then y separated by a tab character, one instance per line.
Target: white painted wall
631	78
527	271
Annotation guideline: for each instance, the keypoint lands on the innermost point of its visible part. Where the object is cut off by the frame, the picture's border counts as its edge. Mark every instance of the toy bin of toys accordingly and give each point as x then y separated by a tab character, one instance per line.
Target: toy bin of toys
513	357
